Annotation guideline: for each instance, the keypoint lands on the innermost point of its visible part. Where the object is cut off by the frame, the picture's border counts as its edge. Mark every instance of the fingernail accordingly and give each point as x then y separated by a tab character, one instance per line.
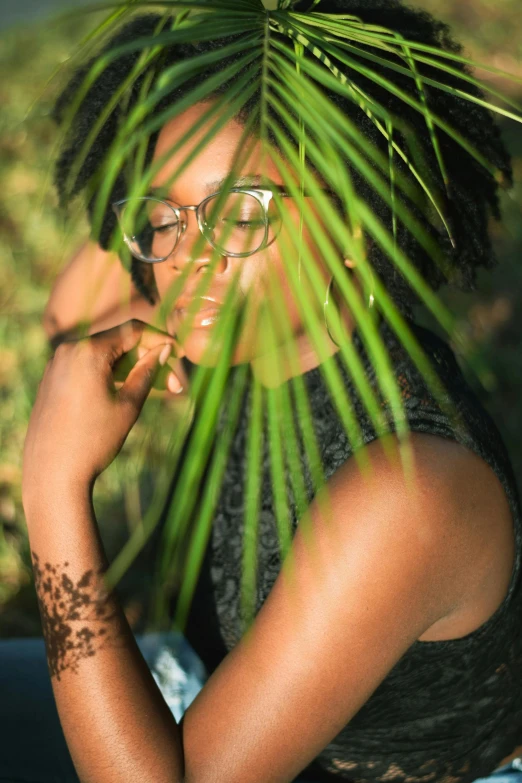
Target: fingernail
164	355
142	351
174	384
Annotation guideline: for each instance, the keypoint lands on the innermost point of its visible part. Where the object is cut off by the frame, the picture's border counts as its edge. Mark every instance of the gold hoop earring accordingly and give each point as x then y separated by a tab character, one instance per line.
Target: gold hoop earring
371	298
371	301
326	302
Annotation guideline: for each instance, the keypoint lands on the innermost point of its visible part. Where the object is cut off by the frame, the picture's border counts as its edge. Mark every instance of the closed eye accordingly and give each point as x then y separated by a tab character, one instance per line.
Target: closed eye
245	223
163	229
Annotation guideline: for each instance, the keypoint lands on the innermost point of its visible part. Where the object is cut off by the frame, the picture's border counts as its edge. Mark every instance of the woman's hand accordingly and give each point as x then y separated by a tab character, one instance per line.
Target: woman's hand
80	419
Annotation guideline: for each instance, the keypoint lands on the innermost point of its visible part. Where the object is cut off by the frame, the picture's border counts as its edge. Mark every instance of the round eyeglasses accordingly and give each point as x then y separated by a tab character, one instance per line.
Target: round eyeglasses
237	223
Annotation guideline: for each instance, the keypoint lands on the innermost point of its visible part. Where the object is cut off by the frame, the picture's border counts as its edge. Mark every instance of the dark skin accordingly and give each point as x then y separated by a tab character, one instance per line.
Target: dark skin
329	632
94	288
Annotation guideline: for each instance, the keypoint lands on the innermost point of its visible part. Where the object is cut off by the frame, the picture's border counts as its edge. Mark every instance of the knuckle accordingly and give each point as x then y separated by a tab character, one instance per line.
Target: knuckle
127	401
66	351
63	349
148	376
123	396
130	333
88	348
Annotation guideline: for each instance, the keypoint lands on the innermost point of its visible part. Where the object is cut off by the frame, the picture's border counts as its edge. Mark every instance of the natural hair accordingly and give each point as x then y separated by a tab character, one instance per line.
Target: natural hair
472	190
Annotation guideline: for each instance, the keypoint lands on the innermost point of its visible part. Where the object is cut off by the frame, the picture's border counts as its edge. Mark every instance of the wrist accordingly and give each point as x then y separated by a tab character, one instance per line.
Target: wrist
58	493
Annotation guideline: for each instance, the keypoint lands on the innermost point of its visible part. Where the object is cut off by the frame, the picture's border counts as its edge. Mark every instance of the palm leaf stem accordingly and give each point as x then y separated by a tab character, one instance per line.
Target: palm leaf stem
140	112
431	81
347	129
347	87
253	480
209	501
375	36
120	150
337	226
202	436
374	342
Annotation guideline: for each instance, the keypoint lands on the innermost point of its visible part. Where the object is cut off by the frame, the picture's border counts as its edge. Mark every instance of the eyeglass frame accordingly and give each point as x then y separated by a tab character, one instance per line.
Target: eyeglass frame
265	193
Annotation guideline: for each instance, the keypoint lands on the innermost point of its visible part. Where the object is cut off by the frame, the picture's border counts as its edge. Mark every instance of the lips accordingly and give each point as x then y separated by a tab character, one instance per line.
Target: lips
206	309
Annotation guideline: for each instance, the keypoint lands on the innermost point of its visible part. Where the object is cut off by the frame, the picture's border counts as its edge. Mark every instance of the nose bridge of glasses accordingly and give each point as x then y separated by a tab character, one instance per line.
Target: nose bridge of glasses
185	220
198	239
184	216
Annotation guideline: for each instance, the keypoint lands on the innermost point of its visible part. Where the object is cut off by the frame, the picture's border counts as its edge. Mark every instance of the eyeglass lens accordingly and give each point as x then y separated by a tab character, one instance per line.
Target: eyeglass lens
234	223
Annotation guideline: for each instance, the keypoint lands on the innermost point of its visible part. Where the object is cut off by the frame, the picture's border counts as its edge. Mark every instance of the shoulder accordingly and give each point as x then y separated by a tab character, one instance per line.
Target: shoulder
375	561
424	467
441	500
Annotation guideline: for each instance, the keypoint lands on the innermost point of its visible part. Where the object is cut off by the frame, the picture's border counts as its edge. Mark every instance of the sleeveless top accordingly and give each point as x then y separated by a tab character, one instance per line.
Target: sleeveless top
449	711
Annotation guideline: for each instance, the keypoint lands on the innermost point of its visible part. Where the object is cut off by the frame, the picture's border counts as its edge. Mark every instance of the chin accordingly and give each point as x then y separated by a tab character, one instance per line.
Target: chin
196	349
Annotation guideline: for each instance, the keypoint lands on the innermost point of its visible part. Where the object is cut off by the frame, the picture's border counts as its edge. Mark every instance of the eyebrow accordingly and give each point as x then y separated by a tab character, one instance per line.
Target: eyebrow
249	180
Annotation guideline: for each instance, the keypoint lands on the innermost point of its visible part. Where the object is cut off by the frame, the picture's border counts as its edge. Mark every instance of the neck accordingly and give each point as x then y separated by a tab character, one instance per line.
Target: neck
295	358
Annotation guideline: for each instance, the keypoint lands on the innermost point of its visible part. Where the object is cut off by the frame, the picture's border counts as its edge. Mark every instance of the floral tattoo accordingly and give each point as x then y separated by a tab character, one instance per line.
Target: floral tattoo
64	605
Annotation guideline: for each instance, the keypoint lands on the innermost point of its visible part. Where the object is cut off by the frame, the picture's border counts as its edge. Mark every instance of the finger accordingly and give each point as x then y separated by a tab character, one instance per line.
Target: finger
122	339
141	378
152	337
174	384
118	340
170	378
173	368
123	367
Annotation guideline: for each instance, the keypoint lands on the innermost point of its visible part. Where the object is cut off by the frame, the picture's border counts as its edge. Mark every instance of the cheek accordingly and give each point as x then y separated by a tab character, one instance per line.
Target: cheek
252	272
162	280
294	279
169	285
266	289
282	290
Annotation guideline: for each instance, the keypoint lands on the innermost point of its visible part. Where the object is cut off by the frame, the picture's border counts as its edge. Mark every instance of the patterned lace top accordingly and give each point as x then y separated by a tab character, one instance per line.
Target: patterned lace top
449	711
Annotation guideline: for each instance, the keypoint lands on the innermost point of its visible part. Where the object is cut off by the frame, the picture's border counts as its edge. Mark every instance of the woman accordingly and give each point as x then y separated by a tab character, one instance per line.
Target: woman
391	649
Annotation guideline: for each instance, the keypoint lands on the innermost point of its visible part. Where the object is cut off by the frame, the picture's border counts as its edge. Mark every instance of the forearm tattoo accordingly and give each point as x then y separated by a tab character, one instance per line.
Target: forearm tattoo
74	615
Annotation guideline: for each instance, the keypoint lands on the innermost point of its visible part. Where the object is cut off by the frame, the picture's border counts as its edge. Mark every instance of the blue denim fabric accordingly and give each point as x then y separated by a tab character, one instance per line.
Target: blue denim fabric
32	745
509	773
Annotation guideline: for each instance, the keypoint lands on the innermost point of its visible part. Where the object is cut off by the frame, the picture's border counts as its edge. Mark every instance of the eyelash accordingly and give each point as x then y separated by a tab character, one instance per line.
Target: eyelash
244	224
164	228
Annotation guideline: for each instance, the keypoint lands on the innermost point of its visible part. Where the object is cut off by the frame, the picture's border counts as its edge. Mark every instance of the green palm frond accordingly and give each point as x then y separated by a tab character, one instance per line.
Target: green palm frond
277	62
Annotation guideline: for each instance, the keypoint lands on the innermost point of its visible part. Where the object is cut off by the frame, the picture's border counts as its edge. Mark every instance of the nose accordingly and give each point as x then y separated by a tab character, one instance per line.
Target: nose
191	239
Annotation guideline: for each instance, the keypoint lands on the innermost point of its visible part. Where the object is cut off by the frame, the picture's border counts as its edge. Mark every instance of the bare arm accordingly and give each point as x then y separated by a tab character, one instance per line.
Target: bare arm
93	289
102	685
366	575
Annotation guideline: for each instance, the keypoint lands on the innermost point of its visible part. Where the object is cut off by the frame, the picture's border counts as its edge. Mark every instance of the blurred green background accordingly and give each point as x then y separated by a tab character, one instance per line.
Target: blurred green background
36	242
